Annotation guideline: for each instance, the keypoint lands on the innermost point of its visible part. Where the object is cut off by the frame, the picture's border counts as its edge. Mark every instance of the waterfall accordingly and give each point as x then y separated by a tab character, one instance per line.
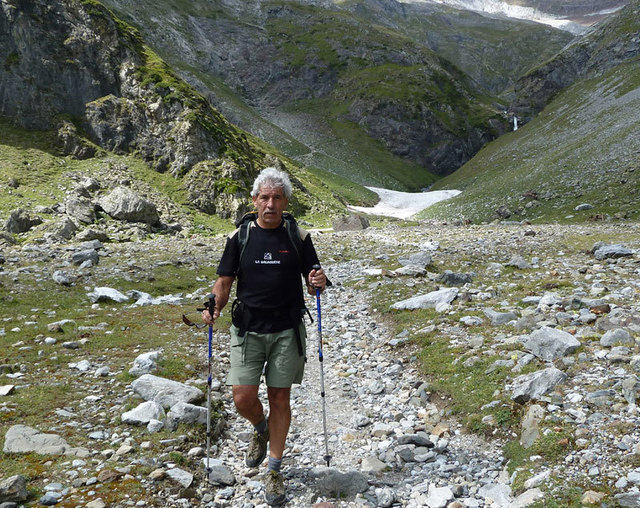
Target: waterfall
515	123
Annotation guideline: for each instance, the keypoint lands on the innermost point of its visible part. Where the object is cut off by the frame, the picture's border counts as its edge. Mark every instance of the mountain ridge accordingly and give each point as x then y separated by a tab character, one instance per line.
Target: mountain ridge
308	51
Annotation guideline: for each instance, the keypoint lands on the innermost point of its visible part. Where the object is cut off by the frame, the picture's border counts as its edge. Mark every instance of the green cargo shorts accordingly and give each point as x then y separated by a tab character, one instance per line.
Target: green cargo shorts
276	353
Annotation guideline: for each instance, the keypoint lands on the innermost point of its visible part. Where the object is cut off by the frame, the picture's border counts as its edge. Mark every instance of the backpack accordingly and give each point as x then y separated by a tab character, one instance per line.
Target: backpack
296	234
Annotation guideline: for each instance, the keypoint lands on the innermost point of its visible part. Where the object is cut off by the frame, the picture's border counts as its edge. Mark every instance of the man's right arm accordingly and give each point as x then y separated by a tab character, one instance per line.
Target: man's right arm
222	289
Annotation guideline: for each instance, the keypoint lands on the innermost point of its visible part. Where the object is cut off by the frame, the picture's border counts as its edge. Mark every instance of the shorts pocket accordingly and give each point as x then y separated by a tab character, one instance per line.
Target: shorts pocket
238	344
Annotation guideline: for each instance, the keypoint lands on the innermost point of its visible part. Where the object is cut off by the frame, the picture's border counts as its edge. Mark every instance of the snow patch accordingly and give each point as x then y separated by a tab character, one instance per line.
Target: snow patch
498	7
403	205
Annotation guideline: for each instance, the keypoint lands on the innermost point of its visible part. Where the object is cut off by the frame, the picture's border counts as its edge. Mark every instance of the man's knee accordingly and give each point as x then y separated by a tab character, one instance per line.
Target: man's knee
279	398
245	397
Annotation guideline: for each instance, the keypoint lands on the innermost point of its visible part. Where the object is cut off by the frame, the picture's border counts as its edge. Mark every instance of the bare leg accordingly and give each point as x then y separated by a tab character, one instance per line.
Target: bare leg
279	419
247	402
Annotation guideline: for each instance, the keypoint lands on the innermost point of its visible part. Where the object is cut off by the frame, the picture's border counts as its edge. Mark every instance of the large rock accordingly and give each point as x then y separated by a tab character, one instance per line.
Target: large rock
531	425
124	204
340	485
535	385
145	363
81	208
23	439
215	186
550	344
499	318
105	294
612	251
165	391
352	222
20	221
13	489
144	413
183	412
428	301
617	336
62	230
420	259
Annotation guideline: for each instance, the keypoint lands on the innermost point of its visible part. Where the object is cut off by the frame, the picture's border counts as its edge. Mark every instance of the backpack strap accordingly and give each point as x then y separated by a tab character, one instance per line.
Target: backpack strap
243	239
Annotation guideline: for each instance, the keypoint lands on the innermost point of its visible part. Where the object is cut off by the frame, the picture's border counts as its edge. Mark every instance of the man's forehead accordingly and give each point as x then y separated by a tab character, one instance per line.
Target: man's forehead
271	189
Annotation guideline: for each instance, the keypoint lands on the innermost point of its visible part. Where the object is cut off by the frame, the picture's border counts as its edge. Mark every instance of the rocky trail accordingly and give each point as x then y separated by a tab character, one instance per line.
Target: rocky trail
548	308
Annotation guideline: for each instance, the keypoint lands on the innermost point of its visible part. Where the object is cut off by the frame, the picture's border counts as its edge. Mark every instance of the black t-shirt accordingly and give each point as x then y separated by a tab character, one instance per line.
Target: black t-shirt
270	276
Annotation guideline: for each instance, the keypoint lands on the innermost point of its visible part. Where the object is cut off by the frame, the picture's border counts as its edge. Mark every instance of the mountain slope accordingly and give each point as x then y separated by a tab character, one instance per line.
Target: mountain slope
583	148
311	71
77	72
493	51
610	43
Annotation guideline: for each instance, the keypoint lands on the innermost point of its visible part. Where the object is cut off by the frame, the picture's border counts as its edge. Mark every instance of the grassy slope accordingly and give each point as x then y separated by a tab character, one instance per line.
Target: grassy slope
493	51
582	148
44	176
327	37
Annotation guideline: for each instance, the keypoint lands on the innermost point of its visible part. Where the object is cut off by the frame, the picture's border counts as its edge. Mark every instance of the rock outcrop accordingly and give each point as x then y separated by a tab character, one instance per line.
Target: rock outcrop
75	60
613	42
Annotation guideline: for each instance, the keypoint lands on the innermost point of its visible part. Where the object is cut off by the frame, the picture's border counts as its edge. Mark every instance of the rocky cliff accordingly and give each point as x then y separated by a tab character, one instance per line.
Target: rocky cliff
73	66
343	68
614	41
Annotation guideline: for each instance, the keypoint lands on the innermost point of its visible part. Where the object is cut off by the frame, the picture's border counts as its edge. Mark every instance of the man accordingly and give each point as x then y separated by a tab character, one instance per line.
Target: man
268	329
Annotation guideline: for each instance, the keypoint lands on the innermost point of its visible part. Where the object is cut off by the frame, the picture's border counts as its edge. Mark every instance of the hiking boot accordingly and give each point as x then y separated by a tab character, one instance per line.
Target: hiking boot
257	450
274	492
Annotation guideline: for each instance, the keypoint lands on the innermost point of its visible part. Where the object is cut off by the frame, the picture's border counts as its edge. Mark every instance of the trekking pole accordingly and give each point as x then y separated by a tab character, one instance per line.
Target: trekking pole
327	457
210	306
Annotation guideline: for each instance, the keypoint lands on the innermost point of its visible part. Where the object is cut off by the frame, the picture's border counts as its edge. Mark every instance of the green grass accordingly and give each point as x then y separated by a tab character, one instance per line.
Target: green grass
577	167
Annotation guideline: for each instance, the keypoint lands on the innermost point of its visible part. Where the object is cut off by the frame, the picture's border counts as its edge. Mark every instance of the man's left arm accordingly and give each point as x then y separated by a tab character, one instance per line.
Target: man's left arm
315	278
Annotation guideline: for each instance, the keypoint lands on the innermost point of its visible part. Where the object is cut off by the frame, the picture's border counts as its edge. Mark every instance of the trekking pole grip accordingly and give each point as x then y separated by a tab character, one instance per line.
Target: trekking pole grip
211	305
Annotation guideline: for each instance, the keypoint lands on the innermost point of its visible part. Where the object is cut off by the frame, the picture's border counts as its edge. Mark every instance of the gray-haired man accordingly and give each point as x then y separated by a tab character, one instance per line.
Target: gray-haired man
268	331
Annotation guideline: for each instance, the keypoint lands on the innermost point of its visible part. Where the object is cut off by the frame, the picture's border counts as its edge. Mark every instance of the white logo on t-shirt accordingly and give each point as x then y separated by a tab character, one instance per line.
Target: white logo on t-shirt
268	260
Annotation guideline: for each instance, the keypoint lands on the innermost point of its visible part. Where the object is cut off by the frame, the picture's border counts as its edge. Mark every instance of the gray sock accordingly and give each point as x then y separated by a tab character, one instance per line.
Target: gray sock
261	428
274	464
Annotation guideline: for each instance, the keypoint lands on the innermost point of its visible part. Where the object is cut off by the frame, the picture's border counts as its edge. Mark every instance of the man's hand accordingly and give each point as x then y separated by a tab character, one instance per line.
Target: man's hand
316	280
206	317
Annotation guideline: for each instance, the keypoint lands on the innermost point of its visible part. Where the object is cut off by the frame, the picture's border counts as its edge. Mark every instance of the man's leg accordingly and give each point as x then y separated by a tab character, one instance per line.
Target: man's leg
245	397
279	419
248	405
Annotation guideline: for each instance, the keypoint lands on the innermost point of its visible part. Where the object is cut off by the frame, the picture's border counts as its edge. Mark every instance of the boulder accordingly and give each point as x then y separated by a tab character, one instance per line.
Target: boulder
23	439
183	412
550	344
81	208
449	278
352	222
165	391
617	336
13	489
62	230
533	386
105	294
145	363
124	204
20	221
144	413
611	251
499	318
430	300
340	485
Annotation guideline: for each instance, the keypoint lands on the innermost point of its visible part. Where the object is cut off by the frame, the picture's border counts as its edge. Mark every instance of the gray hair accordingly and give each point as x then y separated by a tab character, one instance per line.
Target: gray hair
272	177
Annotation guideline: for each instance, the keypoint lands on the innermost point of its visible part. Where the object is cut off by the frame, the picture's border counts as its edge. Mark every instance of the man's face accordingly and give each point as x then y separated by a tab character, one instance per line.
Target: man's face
270	203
